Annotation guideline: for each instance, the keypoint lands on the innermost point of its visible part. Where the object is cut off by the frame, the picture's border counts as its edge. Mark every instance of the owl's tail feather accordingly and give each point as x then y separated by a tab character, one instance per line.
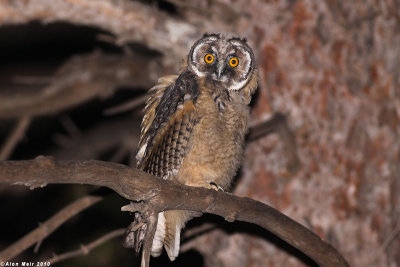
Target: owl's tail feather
168	232
157	246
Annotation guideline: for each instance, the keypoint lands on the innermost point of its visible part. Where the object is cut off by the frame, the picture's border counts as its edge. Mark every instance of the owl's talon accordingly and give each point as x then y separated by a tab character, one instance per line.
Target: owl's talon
216	187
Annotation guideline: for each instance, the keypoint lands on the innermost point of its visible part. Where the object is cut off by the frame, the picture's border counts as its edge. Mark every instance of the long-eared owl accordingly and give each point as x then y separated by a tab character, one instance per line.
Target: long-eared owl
195	123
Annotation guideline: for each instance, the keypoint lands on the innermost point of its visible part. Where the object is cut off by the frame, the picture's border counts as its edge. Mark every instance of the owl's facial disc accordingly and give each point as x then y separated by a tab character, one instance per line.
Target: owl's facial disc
229	62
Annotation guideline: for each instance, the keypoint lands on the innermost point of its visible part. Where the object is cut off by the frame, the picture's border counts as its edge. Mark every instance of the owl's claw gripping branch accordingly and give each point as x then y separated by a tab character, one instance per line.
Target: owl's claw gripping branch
133	206
216	187
136	225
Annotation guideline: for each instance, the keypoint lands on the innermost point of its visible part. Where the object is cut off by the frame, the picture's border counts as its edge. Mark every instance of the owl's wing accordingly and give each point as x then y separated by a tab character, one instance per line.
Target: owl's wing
167	125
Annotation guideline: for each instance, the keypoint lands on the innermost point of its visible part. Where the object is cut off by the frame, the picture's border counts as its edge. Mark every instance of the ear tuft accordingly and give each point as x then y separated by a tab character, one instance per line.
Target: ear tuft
218	35
244	40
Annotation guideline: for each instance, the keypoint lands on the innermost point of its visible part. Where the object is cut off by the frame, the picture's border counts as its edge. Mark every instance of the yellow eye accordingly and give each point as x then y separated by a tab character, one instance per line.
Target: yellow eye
233	62
208	58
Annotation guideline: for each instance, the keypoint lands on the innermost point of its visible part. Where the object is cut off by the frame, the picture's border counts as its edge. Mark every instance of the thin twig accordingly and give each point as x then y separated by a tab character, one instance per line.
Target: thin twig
85	249
37	246
129	105
49	226
70	126
14	137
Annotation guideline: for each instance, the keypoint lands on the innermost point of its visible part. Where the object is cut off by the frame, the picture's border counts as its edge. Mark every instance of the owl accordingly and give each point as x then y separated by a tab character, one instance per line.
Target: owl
194	126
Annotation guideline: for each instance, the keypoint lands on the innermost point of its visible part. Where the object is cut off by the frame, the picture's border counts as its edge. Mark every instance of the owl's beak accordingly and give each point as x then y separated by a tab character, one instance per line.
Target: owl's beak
220	69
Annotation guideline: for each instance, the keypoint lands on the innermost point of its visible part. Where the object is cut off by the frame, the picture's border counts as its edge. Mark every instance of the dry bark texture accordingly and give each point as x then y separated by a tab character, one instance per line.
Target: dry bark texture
332	67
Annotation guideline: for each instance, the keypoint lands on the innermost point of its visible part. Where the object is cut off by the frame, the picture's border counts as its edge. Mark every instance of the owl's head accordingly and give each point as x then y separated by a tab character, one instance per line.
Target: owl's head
229	61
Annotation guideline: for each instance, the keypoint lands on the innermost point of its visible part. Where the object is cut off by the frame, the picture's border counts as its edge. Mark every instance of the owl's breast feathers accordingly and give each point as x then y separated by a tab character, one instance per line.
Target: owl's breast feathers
193	131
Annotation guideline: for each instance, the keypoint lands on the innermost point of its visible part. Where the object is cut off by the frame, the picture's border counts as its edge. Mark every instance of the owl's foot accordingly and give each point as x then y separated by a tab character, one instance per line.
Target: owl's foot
216	187
207	185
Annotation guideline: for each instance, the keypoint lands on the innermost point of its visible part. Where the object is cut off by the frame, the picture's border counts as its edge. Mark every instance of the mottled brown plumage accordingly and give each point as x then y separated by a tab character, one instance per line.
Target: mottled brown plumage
194	125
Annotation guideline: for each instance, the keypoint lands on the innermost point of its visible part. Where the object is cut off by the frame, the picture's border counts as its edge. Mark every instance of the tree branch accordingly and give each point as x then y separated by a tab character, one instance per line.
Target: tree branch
129	105
80	79
160	195
14	137
85	249
49	226
82	146
128	21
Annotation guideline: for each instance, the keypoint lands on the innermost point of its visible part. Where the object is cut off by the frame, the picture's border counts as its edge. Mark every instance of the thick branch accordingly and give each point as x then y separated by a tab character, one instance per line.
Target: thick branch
136	185
129	21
